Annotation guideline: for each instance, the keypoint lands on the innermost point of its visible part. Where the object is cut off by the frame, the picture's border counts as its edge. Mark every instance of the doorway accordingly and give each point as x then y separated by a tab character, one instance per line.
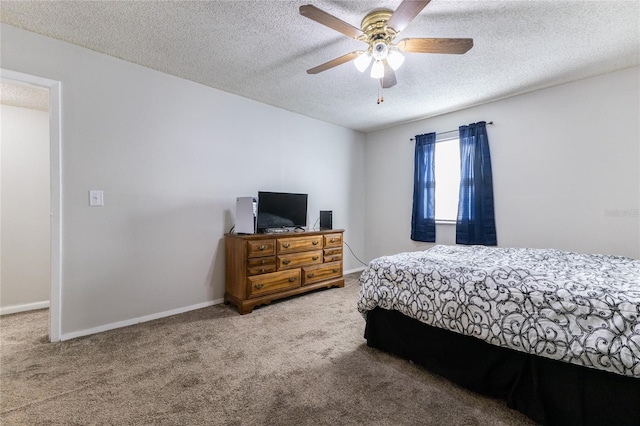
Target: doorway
55	189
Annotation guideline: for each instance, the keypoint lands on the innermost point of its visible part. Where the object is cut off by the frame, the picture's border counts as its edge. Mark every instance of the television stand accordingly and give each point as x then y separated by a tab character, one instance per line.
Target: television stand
261	268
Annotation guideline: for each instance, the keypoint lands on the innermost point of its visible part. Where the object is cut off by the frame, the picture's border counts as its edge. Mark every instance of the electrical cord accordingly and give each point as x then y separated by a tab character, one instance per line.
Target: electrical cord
354	255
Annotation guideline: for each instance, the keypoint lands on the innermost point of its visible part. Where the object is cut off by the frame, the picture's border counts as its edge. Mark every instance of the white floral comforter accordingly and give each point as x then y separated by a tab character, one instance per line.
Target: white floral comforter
578	308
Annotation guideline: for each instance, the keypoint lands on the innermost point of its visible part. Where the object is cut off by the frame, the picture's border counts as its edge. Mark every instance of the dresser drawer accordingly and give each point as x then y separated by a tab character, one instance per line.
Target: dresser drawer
261	248
273	282
325	271
332	254
264	269
298	244
333	258
261	261
332	240
329	252
295	260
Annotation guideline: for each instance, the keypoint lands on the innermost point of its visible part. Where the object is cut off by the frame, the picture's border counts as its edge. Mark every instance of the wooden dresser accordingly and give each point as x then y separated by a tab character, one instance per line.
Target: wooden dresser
265	267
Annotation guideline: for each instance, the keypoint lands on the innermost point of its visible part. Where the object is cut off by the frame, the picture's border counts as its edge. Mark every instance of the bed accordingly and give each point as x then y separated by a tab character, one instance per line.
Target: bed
554	333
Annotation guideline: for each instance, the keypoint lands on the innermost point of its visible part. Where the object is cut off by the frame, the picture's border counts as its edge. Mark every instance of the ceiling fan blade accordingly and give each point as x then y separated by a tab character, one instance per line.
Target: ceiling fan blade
334	62
435	45
389	79
405	13
326	19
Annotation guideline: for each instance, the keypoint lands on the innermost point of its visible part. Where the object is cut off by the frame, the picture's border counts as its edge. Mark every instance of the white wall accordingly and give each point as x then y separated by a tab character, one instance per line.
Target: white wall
171	156
25	236
566	170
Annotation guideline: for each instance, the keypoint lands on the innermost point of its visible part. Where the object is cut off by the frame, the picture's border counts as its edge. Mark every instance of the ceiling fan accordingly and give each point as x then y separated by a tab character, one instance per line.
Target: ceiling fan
378	29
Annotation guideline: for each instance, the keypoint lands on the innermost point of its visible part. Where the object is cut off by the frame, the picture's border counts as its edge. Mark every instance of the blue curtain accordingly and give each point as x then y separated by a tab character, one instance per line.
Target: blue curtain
423	222
476	218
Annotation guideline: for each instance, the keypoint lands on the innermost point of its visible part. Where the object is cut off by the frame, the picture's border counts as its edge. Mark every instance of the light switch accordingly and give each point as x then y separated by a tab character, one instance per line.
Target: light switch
96	198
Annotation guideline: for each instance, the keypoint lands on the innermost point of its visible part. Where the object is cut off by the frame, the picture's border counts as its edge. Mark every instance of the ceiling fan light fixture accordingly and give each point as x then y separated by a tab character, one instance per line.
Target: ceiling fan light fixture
377	70
362	61
379	50
395	59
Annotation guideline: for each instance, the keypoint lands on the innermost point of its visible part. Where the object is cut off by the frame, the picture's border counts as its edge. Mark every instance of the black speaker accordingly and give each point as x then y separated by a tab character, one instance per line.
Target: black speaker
326	219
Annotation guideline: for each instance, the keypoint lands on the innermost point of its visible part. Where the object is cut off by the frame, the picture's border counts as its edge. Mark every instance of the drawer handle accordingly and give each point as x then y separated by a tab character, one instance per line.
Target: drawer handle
262	247
335	269
286	245
259	286
315	243
292	279
262	270
286	261
311	275
333	240
314	258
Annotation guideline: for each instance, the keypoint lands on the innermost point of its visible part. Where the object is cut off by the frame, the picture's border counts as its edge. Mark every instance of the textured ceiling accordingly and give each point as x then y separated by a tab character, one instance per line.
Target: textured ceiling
24	96
262	49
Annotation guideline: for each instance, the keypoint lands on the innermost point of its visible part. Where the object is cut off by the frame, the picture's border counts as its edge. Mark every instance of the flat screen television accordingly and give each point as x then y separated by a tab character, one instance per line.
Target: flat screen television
281	210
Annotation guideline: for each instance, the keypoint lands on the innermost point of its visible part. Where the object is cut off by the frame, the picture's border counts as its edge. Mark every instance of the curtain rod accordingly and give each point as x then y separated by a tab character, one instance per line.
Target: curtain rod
451	131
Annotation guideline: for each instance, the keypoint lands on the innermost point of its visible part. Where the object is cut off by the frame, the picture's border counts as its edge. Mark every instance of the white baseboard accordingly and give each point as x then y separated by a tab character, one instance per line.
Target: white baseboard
351	271
14	309
133	321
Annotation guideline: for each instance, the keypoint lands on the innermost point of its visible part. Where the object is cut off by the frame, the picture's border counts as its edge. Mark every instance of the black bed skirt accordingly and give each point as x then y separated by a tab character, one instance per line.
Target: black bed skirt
547	391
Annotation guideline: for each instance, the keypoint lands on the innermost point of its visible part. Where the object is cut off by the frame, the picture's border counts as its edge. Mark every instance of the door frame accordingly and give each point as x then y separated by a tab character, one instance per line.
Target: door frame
55	158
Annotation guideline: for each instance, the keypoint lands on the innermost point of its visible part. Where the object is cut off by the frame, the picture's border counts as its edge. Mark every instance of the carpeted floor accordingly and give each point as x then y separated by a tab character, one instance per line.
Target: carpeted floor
301	361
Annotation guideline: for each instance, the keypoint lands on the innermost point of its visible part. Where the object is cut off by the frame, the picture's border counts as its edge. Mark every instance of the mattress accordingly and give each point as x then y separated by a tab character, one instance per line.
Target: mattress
578	308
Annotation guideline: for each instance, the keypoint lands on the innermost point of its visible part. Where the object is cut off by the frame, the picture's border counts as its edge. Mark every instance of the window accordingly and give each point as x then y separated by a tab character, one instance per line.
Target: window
447	177
454	188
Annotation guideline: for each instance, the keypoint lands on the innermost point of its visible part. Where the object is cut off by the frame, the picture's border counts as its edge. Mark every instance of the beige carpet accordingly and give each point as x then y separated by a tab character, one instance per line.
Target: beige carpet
301	361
